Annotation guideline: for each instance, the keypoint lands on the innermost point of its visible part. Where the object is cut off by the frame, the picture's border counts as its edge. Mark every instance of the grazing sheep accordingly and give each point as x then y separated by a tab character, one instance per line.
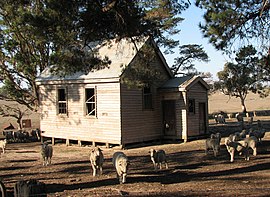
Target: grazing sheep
214	144
96	159
252	143
158	157
234	137
3	144
220	119
259	134
2	190
121	163
237	146
46	153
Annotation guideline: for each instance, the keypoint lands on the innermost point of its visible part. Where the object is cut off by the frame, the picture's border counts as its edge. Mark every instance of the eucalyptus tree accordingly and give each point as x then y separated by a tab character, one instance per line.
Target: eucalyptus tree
241	77
35	34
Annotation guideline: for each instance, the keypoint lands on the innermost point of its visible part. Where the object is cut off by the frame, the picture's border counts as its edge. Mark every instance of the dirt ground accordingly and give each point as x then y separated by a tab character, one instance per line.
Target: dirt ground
191	172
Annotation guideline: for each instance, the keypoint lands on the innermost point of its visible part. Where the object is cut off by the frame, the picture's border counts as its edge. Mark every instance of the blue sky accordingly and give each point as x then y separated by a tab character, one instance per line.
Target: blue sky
190	34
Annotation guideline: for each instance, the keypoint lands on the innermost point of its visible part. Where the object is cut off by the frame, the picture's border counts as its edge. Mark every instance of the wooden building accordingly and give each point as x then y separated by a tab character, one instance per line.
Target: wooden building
100	107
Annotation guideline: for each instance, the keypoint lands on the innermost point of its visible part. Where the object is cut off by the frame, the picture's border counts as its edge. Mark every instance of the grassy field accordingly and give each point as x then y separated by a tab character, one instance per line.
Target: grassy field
217	102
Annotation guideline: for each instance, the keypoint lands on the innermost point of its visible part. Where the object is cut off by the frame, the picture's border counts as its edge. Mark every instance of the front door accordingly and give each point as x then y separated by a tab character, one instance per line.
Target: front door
202	118
169	122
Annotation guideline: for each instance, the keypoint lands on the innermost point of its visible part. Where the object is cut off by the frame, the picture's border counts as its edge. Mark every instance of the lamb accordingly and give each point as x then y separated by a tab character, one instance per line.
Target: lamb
96	159
237	146
121	164
3	144
214	144
158	157
46	153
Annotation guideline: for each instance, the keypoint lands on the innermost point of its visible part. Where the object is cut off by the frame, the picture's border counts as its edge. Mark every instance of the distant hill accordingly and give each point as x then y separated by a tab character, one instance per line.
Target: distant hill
219	101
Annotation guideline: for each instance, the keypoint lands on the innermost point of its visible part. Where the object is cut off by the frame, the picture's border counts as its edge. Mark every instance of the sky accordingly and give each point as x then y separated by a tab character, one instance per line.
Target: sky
190	34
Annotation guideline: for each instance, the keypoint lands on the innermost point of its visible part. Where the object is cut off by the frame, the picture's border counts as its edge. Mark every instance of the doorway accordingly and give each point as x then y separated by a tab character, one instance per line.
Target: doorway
202	118
169	118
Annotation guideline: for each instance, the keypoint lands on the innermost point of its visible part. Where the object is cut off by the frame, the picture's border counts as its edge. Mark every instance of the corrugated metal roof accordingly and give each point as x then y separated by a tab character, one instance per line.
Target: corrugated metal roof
176	82
120	53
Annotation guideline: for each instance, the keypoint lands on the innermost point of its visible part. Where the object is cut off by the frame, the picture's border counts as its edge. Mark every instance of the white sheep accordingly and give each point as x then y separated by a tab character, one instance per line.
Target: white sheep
212	144
96	160
158	157
121	164
46	153
237	146
3	144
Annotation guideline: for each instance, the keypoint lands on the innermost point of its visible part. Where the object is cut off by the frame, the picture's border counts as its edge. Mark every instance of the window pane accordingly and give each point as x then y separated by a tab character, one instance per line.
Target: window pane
147	98
62	101
90	101
61	95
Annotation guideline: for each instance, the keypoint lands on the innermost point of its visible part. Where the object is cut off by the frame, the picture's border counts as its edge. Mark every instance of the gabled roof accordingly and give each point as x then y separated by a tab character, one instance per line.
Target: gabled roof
184	83
120	53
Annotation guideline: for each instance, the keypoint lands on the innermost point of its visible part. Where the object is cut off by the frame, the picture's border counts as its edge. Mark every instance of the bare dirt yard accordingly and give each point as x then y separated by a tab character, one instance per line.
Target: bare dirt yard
191	172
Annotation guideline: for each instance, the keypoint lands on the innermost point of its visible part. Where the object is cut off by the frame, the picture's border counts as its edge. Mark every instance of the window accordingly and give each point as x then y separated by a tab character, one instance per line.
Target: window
62	101
147	98
90	101
191	106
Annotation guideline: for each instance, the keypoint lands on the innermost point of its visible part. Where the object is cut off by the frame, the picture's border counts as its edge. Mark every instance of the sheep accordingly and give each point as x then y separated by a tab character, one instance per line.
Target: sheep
96	160
237	146
239	117
259	134
243	134
3	144
46	153
121	164
158	157
214	144
2	189
216	136
234	137
252	143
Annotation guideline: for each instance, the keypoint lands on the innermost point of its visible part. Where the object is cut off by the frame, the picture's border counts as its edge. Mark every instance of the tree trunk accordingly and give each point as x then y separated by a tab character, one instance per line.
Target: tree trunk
244	109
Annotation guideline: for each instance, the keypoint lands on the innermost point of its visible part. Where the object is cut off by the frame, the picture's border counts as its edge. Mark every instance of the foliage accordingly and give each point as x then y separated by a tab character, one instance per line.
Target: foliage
226	22
35	34
16	111
237	79
187	55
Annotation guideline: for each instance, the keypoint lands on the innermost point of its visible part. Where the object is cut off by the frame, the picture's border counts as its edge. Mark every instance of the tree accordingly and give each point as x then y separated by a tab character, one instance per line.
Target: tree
35	34
238	79
15	111
226	22
187	55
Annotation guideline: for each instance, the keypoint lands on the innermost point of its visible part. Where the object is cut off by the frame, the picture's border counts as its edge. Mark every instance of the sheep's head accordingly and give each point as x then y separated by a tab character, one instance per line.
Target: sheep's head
123	164
152	152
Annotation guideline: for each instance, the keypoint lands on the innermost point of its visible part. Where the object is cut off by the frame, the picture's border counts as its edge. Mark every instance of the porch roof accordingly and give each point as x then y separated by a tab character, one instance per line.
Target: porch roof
183	83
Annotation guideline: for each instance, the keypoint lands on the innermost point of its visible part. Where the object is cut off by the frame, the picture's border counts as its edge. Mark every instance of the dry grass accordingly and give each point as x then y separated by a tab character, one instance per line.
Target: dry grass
220	102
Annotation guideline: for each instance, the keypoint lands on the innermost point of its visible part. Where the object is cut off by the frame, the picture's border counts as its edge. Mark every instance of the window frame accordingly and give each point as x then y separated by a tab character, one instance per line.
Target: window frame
192	108
146	97
86	102
62	111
